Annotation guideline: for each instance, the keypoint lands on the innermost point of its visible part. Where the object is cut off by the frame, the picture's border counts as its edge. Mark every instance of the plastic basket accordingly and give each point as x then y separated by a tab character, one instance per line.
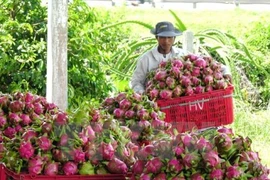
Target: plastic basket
210	109
2	172
10	175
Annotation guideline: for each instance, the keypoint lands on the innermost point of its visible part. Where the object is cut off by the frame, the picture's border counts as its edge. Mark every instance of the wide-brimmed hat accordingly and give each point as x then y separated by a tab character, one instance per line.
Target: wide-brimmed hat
165	29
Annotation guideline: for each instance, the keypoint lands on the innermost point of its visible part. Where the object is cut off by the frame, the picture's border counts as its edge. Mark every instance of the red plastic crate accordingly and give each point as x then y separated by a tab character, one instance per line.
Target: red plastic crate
10	175
210	109
2	172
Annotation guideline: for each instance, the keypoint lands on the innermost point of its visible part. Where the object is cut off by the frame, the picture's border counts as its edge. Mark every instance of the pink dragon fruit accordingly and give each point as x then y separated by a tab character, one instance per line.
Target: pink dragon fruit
185	81
211	158
191	160
165	94
78	155
200	62
120	96
90	150
125	104
207	71
26	120
143	114
35	165
130	114
29	135
160	124
44	143
118	113
10	132
203	145
162	64
116	166
216	174
196	176
145	176
233	172
199	89
16	106
221	84
61	118
192	57
196	72
106	151
208	79
70	168
195	81
138	167
59	155
177	91
178	151
14	118
170	82
174	166
215	66
153	165
188	65
209	88
63	140
145	152
160	176
153	94
95	114
189	91
47	127
161	85
3	121
175	72
89	133
108	101
51	168
160	75
38	108
217	75
177	63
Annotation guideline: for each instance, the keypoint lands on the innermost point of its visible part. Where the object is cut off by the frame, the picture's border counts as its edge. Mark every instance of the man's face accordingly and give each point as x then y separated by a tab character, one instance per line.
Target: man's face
165	43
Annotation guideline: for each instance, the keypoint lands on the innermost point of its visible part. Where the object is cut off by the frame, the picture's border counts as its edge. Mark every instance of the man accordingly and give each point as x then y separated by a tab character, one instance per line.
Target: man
165	34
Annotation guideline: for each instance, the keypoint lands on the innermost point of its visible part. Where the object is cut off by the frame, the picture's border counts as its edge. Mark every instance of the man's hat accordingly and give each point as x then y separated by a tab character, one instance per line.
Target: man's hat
165	29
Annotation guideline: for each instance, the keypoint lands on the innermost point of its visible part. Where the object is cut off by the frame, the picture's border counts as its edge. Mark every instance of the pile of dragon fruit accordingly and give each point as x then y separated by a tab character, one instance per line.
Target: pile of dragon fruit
185	76
126	135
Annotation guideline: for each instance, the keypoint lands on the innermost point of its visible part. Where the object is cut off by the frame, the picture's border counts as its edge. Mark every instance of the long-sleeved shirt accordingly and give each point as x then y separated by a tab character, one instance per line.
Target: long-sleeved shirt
151	60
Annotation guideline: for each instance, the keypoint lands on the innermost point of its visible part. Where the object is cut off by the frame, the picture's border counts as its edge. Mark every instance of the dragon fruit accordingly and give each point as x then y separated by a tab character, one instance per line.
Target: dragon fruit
233	172
44	143
174	166
138	167
216	174
78	155
165	94
3	121
26	150
70	168
51	169
116	166
211	158
153	165
35	165
106	151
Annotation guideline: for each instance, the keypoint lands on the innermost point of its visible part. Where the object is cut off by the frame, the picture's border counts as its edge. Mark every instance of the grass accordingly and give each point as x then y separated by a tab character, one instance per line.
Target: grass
235	22
255	125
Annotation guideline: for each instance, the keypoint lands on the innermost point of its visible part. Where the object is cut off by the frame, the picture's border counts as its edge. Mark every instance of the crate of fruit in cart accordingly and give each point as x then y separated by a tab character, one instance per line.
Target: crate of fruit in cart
192	91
